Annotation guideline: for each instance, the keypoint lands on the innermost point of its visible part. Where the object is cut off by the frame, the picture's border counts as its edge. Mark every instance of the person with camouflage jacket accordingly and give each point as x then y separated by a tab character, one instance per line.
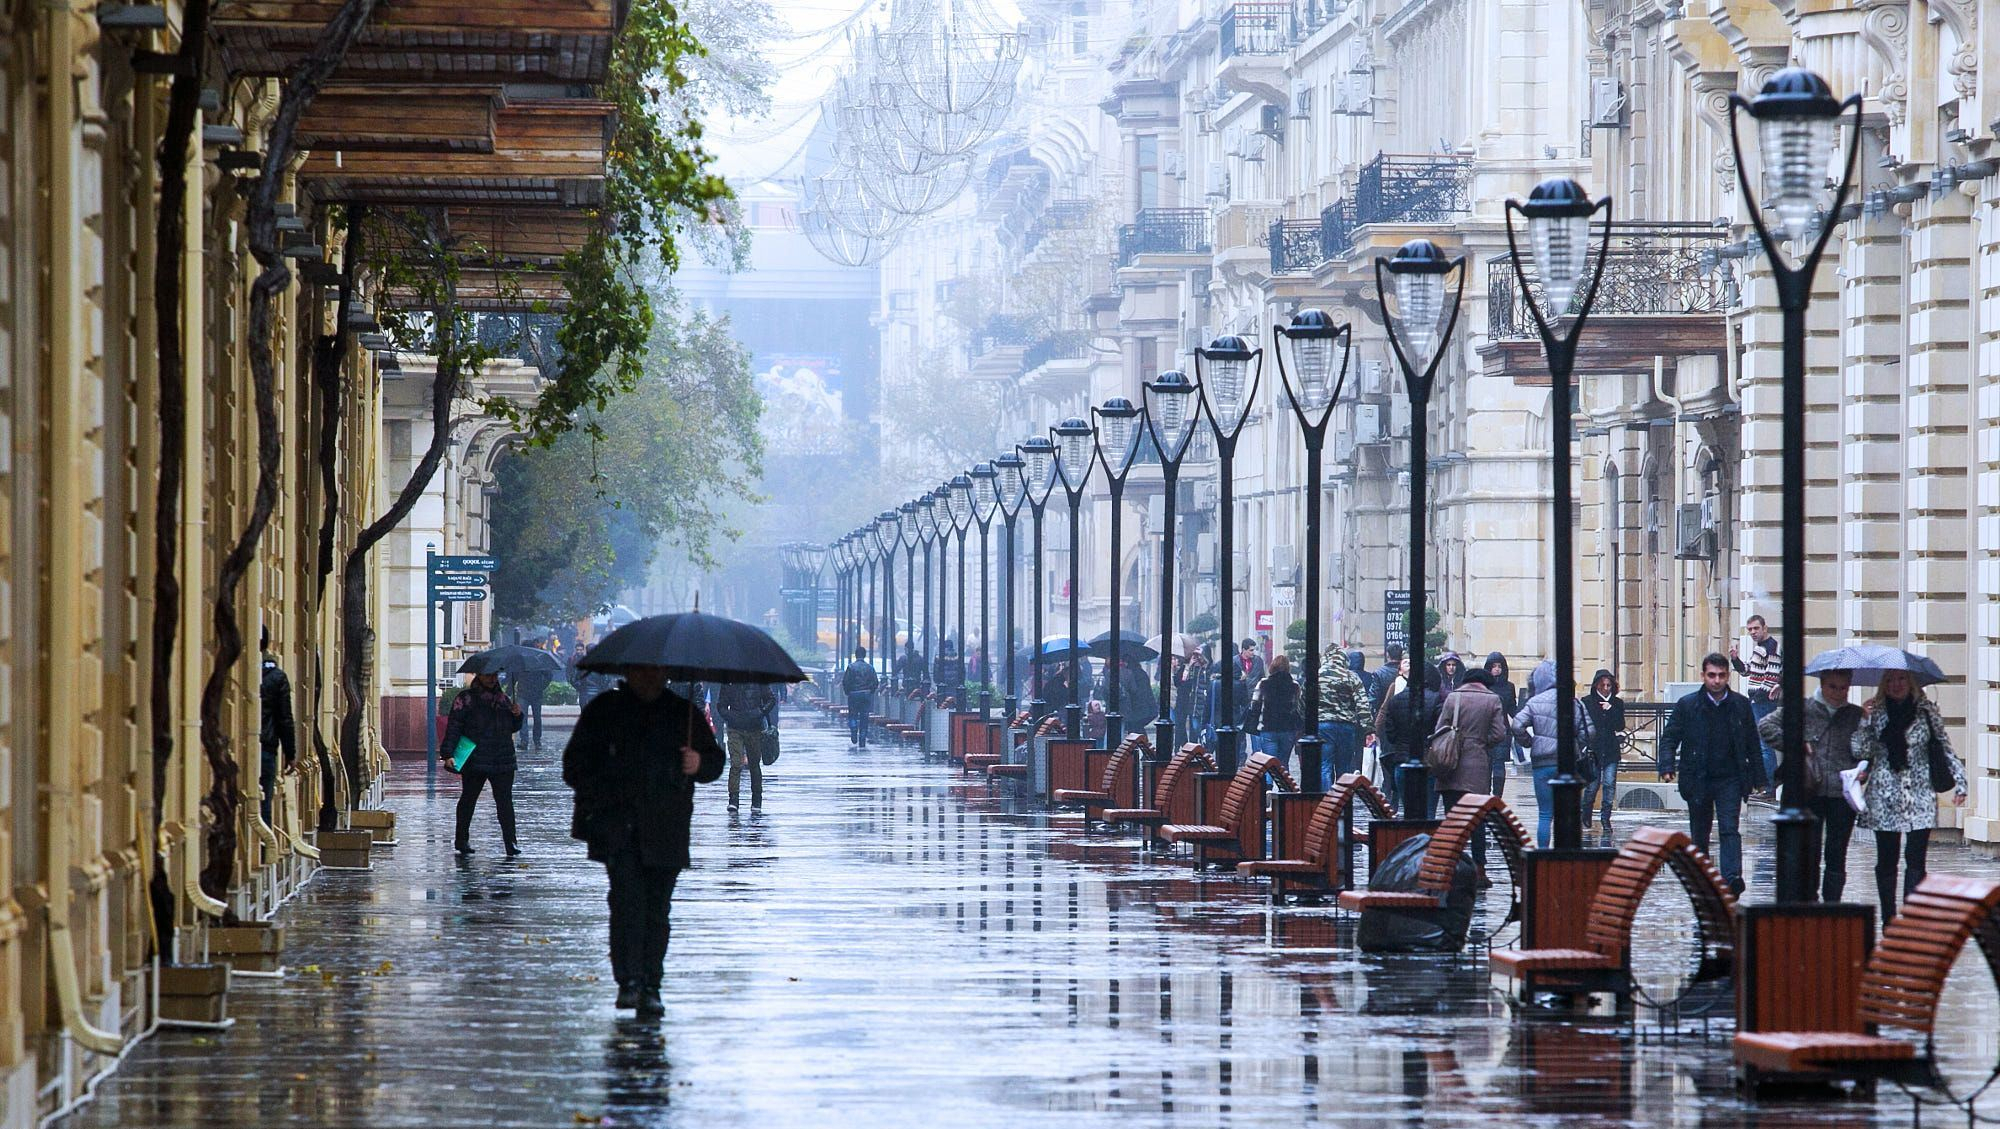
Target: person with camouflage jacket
1345	717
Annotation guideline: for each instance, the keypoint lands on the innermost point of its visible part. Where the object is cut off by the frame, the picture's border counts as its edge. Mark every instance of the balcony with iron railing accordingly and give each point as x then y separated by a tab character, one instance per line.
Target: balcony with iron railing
1413	188
1164	231
999	331
1296	246
1061	345
1258	27
1651	269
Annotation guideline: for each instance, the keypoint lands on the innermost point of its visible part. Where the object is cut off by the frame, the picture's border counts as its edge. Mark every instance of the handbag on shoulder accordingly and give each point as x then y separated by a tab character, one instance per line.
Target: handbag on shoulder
1942	780
1441	750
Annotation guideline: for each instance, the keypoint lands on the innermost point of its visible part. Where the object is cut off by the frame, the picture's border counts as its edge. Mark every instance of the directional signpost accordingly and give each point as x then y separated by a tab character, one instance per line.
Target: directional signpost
451	579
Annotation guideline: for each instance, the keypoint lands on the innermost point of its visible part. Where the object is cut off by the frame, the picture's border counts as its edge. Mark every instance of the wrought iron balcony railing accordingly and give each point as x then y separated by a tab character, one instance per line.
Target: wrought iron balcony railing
1296	246
1653	268
999	330
1413	188
1337	222
1062	345
1168	231
1258	27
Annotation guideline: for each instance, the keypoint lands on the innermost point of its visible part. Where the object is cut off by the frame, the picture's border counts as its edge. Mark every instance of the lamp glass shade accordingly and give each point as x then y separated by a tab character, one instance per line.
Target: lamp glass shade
1117	435
1419	309
1797	150
911	532
889	529
1227	380
961	501
1561	247
1012	485
1170	401
926	518
1073	454
1312	364
1040	474
985	491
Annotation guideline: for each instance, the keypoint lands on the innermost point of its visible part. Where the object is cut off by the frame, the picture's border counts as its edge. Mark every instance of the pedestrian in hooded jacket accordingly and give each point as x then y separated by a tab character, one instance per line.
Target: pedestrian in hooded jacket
636	755
1400	743
1535	726
1607	728
276	730
483	713
1346	717
1501	751
1473	709
1451	671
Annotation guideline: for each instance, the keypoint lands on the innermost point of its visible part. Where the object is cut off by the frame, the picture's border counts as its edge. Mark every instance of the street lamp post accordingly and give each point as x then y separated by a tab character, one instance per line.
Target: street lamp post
812	559
1798	122
910	531
889	537
1171	410
871	547
1073	458
927	532
985	499
839	554
1310	339
1012	490
1558	214
1418	341
1226	374
1039	476
1117	445
960	502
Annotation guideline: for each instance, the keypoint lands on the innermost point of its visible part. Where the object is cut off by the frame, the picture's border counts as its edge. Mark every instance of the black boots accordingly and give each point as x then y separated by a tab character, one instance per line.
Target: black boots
628	997
649	1004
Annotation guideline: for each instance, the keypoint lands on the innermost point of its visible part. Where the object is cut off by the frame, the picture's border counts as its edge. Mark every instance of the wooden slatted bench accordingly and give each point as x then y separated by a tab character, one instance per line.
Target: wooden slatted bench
1328	859
1899	989
1173	792
1236	830
1440	863
1117	779
1605	963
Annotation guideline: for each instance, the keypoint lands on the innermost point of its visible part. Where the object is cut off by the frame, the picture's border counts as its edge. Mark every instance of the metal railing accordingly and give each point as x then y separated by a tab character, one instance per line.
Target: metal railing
1062	345
1168	231
1258	27
1296	246
1652	268
999	330
1413	188
1337	222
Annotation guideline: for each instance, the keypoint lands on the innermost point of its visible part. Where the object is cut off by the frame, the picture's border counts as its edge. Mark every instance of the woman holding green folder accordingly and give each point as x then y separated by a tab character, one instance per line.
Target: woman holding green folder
479	745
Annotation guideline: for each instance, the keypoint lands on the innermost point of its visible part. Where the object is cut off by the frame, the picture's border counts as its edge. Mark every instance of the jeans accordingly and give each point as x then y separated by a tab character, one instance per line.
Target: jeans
531	733
1276	743
1496	760
1545	803
1758	708
1340	751
860	704
746	750
1607	781
1915	848
1450	796
642	903
1836	824
267	764
470	783
1723	804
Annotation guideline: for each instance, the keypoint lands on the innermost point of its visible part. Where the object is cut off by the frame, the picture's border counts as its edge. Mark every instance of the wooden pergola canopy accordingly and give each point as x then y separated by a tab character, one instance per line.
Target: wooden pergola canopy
549	152
429	40
495	292
357	119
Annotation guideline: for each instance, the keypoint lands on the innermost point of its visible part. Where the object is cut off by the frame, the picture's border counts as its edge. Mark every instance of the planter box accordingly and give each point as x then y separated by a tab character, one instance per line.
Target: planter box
380	825
194	993
345	850
248	948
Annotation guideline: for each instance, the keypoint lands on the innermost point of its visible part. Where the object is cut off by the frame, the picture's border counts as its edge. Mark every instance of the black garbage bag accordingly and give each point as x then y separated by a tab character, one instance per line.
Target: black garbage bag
1440	930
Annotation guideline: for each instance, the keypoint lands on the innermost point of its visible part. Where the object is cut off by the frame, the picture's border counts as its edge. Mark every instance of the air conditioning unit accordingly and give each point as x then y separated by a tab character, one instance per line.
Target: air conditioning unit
1253	148
1374	377
1207	496
1367	423
1173	163
1232	144
1271	122
1156	513
1607	103
1302	101
1204	553
1239	564
1355	97
1284	564
1218	181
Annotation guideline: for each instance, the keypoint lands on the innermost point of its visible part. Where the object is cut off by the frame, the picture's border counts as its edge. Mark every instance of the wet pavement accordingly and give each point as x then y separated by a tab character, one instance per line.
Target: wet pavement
890	944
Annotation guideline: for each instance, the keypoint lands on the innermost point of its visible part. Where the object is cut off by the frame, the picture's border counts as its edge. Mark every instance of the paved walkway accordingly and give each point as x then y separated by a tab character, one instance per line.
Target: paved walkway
889	946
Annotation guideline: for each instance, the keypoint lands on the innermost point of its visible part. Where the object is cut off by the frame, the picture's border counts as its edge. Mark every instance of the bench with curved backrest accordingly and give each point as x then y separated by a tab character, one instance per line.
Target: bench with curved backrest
1448	843
1008	762
911	729
1237	827
1605	963
1899	989
1174	792
1328	860
1116	781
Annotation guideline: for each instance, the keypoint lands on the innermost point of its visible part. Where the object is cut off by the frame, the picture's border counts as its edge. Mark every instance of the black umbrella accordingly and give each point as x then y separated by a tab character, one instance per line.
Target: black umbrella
1132	646
695	648
511	659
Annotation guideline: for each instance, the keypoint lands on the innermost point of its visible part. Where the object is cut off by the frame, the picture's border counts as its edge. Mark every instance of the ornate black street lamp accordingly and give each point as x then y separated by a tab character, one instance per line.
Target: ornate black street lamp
1073	459
1011	490
1558	214
910	530
1310	340
1039	475
1798	124
927	532
1171	412
871	556
1117	445
960	502
1418	328
1226	374
843	596
889	538
941	508
985	499
812	561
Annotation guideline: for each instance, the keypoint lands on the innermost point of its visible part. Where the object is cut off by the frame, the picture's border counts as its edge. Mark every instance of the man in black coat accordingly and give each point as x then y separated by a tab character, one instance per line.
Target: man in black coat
531	688
276	727
636	755
1710	743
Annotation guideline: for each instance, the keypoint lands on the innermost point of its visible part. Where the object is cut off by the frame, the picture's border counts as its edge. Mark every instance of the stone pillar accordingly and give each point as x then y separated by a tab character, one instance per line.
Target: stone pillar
1981	749
1938	451
1871	472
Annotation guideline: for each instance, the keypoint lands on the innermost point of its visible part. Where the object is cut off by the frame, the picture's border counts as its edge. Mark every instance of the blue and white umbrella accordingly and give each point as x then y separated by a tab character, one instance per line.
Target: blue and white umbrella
1868	661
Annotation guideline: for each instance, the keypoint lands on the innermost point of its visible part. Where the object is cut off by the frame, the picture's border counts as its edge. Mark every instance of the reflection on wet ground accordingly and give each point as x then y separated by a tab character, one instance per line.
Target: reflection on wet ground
890	944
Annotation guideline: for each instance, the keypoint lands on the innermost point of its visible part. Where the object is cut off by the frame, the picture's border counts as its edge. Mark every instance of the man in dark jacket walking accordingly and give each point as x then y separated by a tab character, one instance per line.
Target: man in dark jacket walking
530	688
749	713
1607	727
858	682
1399	743
1385	676
276	729
636	755
1710	743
